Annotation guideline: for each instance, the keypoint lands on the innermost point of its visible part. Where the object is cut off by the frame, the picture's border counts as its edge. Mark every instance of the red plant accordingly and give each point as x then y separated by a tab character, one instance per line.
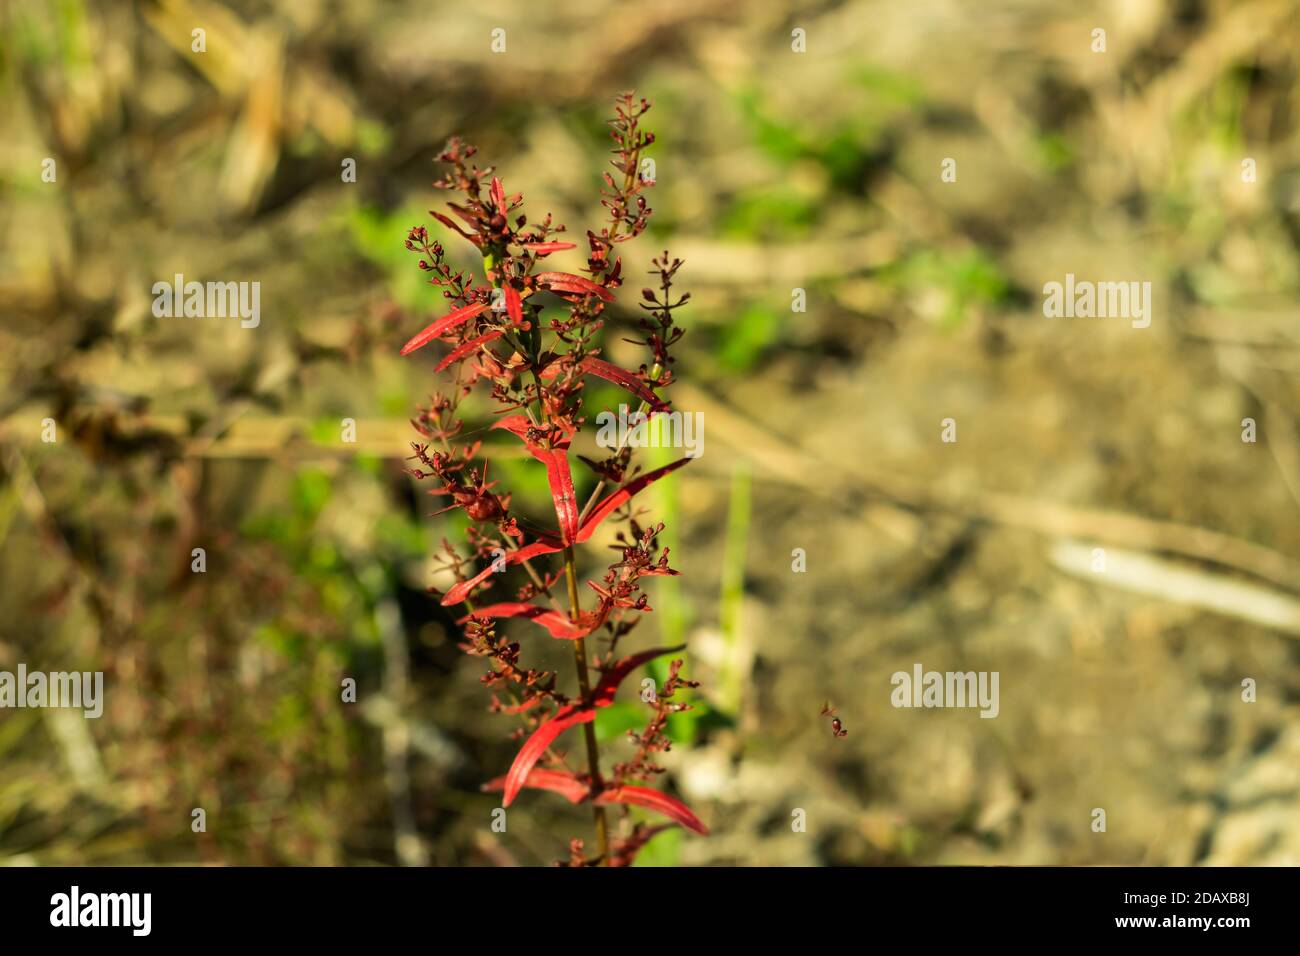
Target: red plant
533	366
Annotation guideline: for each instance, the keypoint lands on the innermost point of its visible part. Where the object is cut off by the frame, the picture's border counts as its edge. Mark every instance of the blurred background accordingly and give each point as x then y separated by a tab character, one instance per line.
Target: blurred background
777	171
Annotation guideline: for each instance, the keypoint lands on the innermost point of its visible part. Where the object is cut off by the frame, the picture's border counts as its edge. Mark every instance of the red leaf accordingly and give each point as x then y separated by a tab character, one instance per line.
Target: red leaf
560	625
458	353
463	588
558	474
556	781
506	609
576	791
670	807
443	325
624	378
450	224
514	307
566	284
546	248
587	622
570	715
622	496
614	675
516	425
567	716
469	218
499	196
562	492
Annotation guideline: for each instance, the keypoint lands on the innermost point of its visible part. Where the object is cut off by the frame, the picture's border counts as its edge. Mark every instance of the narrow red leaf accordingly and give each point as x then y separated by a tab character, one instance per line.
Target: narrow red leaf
450	224
556	781
558	474
622	496
504	609
463	588
562	493
614	675
443	326
568	284
623	378
546	248
570	715
514	307
654	800
558	624
469	218
499	196
458	353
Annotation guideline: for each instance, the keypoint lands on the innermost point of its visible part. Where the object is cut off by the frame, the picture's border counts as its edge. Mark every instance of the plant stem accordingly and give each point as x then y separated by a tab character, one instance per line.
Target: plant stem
589	728
579	648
